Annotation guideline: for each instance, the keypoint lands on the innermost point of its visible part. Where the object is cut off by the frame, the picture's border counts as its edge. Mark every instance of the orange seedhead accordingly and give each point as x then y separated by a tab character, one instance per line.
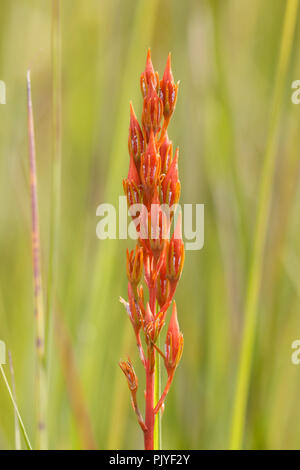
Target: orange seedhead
157	261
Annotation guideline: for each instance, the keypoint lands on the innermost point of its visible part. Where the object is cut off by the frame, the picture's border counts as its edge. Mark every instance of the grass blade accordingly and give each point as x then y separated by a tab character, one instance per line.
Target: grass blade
17	429
264	203
25	435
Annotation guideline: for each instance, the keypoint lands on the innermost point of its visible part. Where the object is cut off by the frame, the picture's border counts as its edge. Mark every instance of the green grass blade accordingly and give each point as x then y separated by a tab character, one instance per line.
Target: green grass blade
25	435
264	203
17	428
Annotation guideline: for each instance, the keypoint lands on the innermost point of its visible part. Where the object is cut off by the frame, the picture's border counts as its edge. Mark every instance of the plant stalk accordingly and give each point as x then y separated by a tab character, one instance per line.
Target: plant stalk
149	415
13	386
157	389
41	388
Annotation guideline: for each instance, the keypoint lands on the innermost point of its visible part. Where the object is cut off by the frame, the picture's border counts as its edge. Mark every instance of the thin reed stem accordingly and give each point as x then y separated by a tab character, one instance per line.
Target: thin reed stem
41	389
25	435
157	393
13	386
149	413
264	203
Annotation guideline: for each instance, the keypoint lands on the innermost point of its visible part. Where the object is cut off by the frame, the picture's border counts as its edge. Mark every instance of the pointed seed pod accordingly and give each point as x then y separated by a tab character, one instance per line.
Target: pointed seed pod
174	343
168	90
166	152
135	138
170	186
132	380
132	192
134	310
149	78
150	165
175	255
134	265
162	287
152	112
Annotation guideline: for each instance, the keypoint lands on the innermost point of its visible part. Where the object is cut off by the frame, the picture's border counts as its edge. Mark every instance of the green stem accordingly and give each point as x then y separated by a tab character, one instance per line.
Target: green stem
157	393
13	386
26	438
264	203
149	412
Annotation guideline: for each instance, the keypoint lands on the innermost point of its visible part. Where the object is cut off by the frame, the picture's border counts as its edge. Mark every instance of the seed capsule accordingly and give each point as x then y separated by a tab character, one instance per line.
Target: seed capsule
135	138
174	342
168	90
150	165
130	374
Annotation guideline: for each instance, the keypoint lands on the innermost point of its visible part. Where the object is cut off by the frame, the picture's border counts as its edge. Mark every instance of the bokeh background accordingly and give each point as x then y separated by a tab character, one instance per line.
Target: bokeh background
225	54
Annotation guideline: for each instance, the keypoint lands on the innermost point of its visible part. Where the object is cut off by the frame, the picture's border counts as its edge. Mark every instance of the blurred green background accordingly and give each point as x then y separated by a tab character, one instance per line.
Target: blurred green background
225	54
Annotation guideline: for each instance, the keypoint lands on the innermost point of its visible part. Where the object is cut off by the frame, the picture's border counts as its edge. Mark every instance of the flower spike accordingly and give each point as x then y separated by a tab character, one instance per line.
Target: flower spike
157	260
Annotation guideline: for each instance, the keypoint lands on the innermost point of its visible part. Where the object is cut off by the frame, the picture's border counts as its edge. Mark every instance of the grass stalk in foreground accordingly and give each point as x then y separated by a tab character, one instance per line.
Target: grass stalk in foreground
17	429
41	383
25	435
264	203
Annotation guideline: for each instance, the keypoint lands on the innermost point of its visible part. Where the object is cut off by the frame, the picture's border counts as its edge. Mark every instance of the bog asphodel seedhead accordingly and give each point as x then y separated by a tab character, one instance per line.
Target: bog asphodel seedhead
153	181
